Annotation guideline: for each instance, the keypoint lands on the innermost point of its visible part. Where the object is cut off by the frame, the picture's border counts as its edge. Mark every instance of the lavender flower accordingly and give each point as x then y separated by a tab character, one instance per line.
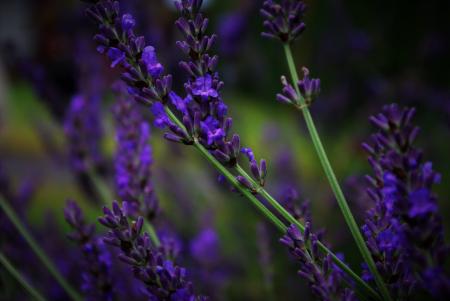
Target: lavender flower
134	159
309	89
83	130
404	230
283	21
204	114
97	278
162	278
325	279
116	38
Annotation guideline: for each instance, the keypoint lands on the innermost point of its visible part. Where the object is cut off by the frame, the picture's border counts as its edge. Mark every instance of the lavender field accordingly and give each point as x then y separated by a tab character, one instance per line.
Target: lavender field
193	150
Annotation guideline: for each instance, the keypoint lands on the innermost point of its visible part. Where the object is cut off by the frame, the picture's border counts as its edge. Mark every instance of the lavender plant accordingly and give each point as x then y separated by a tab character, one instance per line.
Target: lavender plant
133	159
402	241
404	229
162	278
285	22
204	122
325	279
83	131
97	278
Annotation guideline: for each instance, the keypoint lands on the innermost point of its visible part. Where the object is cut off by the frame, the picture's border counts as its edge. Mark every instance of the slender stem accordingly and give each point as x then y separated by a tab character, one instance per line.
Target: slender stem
101	187
37	250
16	274
345	209
152	232
231	178
278	223
361	283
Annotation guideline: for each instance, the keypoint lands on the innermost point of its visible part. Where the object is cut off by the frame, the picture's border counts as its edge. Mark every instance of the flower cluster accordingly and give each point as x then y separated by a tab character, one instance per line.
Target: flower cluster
309	89
143	73
97	277
283	21
162	278
134	159
325	279
404	230
83	130
204	114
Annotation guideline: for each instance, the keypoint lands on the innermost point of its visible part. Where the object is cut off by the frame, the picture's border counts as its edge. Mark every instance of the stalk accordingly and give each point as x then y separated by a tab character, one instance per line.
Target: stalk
361	283
38	251
231	178
342	202
16	274
152	232
266	212
101	186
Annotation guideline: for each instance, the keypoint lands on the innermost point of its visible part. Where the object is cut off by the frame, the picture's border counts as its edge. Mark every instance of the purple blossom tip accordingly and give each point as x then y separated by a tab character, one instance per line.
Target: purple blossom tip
283	20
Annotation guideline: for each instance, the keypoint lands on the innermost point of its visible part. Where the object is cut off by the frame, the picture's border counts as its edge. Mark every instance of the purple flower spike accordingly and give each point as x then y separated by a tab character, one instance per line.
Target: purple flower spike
284	20
163	279
325	279
97	274
202	111
134	159
403	230
82	127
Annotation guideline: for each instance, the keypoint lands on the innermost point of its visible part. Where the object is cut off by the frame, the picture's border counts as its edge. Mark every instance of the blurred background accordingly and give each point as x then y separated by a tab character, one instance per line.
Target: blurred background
367	54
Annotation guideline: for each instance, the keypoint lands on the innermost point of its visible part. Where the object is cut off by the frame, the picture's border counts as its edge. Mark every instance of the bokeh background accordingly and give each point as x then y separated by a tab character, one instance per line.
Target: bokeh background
366	53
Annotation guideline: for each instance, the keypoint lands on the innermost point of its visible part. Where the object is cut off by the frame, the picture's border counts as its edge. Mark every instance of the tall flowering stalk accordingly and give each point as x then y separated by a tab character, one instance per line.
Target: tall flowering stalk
133	162
284	21
204	122
83	130
162	278
97	279
403	229
325	279
134	159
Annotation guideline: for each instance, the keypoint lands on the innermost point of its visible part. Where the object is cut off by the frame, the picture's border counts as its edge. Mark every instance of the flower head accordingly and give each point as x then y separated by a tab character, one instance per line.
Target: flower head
134	159
325	279
150	61
284	20
162	278
83	130
128	22
97	275
403	229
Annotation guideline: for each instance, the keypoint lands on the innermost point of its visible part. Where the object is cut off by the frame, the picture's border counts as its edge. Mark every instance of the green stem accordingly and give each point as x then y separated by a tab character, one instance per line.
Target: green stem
16	274
232	179
152	232
275	220
229	176
345	209
101	187
37	250
292	220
